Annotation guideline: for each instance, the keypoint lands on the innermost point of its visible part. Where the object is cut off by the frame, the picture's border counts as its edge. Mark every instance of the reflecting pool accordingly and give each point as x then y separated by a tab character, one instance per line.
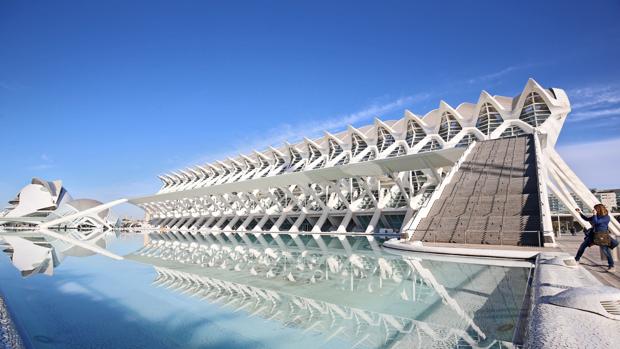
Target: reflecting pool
197	290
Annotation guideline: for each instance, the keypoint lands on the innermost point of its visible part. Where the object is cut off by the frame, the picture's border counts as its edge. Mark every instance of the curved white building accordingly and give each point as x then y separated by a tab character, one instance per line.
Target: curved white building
37	199
386	176
41	201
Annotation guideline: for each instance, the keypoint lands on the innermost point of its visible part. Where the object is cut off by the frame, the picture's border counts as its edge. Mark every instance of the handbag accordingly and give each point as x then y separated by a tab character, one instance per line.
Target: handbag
589	236
601	238
614	243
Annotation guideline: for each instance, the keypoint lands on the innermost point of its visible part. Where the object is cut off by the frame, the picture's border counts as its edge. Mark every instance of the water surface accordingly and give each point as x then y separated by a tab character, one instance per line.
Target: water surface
263	291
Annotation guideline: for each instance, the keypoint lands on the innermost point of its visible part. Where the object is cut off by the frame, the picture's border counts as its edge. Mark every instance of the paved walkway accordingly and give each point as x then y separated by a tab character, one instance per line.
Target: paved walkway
591	259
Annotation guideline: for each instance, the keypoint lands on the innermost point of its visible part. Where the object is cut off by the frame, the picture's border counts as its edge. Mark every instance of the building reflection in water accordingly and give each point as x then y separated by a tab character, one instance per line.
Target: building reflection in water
344	287
32	252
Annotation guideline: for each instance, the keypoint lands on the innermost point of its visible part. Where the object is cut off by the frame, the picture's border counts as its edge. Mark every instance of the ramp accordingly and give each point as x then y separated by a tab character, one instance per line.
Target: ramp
492	199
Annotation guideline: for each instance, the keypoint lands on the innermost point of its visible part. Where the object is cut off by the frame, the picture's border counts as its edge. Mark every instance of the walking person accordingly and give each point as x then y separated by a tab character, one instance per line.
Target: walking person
598	234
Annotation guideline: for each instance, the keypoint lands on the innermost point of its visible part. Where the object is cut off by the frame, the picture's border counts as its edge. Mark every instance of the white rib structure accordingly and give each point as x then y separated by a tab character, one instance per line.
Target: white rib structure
365	179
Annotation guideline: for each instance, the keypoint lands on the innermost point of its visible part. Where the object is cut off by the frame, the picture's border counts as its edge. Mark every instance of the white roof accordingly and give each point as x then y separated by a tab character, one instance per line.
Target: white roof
435	159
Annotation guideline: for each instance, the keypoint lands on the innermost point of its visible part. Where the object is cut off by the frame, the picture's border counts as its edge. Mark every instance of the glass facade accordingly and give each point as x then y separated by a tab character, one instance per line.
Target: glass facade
430	146
512	131
535	111
415	133
488	119
358	144
466	140
448	127
334	149
384	139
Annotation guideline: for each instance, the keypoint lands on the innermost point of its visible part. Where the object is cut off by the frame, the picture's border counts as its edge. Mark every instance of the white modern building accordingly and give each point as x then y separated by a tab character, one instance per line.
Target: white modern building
607	198
479	171
37	199
44	201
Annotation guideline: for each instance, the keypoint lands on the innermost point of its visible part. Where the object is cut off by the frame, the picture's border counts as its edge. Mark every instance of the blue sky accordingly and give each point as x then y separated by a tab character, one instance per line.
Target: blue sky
105	95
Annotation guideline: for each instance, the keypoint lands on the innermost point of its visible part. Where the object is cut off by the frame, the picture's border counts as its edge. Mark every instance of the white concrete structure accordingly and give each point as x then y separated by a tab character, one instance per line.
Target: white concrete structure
45	201
37	199
381	177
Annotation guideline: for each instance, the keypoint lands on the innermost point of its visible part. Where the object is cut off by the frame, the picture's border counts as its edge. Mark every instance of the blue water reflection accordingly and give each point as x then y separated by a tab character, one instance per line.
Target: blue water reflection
182	290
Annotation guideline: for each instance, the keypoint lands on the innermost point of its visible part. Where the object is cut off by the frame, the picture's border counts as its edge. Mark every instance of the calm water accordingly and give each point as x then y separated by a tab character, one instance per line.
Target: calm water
257	292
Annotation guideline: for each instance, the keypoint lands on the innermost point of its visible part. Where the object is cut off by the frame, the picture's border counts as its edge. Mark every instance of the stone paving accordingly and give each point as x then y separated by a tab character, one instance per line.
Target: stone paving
9	337
592	260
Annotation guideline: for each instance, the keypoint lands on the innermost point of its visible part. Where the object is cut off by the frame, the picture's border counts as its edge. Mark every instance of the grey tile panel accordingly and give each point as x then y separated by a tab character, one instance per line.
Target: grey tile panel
492	199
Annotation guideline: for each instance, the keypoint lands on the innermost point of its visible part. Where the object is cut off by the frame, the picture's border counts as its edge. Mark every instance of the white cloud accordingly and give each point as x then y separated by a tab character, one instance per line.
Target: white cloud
311	129
501	73
594	162
591	114
594	102
493	76
45	163
276	136
594	96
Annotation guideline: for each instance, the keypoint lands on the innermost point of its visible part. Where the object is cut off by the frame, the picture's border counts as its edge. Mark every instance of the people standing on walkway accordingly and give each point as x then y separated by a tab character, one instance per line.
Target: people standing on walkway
598	234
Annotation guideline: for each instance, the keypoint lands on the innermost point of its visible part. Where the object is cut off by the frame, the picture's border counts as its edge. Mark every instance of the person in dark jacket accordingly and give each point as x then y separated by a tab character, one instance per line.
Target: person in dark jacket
600	223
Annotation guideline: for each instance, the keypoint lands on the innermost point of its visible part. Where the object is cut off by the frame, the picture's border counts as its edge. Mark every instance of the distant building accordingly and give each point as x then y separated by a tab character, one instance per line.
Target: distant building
43	200
557	207
129	223
563	219
37	199
607	197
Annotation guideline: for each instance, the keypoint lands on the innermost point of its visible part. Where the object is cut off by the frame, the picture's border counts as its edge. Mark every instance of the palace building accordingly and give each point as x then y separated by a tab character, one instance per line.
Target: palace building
478	173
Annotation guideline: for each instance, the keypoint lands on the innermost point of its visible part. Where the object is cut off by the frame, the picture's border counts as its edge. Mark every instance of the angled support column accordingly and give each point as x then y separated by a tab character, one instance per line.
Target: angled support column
298	222
261	222
319	224
90	211
373	221
578	187
342	228
567	200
